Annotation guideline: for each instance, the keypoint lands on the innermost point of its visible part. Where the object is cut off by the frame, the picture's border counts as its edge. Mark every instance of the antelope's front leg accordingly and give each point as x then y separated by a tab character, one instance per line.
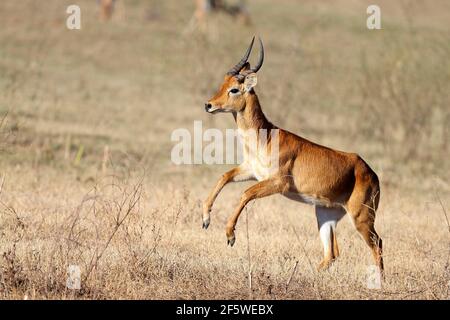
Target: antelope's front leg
261	189
235	174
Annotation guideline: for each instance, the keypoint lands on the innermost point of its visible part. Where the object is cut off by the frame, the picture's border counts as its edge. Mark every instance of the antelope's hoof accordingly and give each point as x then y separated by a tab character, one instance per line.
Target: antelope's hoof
324	265
205	223
231	241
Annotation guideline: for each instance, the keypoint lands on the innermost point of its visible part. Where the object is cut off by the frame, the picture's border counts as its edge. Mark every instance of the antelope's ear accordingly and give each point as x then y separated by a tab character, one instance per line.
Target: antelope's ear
250	81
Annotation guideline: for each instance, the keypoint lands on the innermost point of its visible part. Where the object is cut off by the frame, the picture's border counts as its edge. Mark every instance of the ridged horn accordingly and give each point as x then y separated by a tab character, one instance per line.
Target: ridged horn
260	59
235	70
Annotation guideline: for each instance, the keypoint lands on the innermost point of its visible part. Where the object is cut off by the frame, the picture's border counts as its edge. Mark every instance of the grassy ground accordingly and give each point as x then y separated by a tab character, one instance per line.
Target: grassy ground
85	171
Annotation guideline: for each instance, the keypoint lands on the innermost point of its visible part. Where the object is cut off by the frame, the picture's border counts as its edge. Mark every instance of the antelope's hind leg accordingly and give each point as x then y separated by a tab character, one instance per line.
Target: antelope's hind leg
363	216
327	219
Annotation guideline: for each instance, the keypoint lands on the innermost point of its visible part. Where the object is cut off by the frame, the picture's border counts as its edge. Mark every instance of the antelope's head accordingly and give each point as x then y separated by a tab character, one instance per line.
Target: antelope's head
237	84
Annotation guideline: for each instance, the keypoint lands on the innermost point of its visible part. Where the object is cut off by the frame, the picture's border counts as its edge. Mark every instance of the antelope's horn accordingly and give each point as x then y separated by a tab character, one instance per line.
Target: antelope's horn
260	59
235	70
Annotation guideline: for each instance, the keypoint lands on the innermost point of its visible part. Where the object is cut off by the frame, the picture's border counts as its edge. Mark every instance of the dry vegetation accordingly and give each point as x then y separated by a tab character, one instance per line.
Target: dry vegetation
85	171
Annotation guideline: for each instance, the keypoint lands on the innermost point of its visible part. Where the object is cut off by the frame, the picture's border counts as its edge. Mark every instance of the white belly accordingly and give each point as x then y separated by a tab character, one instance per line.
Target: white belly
308	199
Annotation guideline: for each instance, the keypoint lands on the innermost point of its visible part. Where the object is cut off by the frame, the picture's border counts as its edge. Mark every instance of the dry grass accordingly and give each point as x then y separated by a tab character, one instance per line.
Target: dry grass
85	173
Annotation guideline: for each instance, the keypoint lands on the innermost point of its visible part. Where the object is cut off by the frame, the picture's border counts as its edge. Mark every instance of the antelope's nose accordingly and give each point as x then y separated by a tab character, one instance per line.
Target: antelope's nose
208	106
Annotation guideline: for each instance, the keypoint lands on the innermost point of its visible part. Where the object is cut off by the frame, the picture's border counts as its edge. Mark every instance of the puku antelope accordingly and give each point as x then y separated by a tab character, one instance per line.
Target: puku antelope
203	8
106	9
334	182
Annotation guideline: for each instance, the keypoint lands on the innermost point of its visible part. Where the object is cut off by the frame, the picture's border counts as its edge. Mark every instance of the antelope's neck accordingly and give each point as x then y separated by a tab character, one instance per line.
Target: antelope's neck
252	116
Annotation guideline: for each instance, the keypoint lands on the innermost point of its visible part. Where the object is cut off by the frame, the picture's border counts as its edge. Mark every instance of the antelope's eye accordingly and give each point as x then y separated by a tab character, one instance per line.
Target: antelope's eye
234	91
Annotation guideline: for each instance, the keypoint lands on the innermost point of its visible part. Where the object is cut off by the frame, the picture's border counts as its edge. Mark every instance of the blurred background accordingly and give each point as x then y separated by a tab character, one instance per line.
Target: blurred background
80	104
129	81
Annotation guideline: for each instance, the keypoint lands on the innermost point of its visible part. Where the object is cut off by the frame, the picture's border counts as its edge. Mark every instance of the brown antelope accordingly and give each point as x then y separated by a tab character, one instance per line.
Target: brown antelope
106	9
206	7
334	182
238	10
